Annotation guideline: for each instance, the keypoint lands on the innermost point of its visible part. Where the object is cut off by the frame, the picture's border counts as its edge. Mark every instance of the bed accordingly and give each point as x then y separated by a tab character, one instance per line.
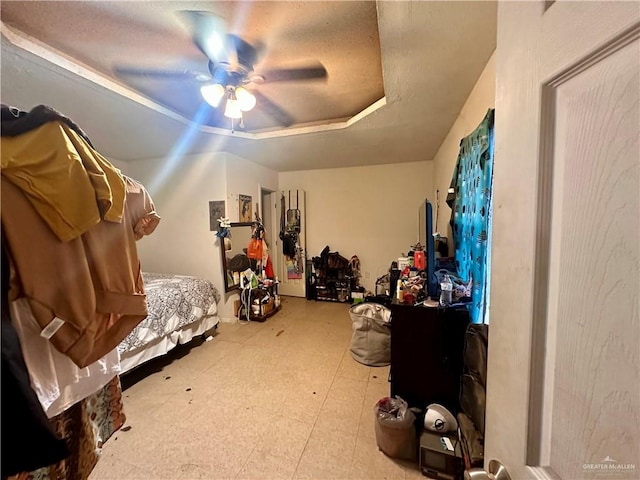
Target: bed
180	308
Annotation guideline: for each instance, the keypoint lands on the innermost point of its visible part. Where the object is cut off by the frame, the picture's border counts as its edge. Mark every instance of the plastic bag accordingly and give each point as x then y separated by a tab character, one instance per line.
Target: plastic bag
461	290
394	426
391	409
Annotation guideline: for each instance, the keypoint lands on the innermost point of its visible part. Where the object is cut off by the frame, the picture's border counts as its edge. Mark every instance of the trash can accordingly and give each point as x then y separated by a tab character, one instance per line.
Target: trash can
394	426
371	339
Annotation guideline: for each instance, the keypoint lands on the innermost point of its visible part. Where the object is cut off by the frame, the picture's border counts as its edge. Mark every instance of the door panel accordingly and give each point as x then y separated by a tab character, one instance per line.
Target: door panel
564	361
593	280
290	286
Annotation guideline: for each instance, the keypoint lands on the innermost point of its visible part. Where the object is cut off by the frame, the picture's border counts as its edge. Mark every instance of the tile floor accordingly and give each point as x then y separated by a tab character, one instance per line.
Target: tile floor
275	400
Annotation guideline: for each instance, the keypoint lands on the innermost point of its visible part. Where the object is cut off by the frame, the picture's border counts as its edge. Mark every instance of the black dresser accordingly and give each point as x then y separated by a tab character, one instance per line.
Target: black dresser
426	354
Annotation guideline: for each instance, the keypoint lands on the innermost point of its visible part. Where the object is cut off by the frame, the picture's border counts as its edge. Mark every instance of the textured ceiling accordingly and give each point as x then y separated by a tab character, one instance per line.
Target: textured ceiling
429	55
342	36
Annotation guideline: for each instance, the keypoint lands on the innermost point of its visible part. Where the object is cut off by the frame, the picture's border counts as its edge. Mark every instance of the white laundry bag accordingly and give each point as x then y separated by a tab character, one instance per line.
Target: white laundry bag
371	339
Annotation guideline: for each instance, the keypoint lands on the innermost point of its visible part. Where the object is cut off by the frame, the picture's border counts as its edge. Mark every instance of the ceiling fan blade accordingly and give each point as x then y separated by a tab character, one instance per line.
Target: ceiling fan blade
208	32
315	72
161	74
273	110
241	52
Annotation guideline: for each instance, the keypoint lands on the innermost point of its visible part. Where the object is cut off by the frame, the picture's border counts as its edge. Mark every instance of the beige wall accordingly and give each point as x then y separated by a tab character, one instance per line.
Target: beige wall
482	98
181	189
371	212
247	178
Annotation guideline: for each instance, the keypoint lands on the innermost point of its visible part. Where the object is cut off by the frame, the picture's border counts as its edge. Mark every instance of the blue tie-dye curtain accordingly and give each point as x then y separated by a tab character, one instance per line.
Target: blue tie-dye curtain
470	202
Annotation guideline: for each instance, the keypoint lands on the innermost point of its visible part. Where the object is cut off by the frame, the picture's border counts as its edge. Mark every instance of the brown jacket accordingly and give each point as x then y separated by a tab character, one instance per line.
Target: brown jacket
93	283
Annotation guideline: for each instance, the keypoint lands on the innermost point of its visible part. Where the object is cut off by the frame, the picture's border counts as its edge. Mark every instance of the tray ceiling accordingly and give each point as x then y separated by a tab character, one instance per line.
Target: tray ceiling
415	62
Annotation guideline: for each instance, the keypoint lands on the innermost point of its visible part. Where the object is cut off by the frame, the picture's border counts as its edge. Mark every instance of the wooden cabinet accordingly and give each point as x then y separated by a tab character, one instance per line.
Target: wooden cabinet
426	354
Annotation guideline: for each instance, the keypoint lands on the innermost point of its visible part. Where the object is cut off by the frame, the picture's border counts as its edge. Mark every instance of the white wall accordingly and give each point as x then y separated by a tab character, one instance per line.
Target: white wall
181	189
247	178
482	98
182	243
371	212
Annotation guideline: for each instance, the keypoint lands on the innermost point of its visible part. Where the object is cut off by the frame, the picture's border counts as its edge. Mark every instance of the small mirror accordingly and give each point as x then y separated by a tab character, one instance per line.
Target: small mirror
234	254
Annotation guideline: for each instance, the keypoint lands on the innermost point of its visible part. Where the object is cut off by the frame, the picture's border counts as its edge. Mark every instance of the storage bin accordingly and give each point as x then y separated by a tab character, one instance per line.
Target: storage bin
395	430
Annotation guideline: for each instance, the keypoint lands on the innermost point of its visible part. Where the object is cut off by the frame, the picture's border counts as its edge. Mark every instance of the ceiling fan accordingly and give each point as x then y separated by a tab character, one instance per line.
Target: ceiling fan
231	76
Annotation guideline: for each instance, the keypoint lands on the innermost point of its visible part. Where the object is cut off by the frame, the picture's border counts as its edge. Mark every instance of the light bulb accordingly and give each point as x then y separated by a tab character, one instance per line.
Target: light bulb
245	99
232	109
212	93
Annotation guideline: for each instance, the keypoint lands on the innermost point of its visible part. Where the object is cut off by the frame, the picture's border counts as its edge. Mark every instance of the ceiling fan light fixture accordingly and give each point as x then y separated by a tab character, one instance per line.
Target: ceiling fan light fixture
232	109
246	100
230	66
212	93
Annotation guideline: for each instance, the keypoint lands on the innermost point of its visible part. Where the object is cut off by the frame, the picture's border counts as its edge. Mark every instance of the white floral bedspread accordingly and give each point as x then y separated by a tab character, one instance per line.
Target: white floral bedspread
174	301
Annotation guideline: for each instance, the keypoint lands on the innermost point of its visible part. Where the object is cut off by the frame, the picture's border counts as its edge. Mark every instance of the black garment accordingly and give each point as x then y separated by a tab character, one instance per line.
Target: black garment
27	439
289	244
452	192
16	122
238	263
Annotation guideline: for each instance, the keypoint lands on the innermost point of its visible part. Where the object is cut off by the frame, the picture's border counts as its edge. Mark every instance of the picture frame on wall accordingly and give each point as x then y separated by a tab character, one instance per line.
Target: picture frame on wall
216	211
245	208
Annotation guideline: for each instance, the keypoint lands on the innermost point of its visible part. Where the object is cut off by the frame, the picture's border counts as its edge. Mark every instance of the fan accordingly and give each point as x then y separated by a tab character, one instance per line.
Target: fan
231	62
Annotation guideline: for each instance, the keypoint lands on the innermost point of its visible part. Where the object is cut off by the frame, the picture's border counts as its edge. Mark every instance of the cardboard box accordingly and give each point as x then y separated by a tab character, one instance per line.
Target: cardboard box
267	307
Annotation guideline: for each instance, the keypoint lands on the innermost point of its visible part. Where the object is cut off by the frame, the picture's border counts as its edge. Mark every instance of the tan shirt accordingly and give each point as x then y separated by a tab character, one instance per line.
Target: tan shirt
92	283
141	207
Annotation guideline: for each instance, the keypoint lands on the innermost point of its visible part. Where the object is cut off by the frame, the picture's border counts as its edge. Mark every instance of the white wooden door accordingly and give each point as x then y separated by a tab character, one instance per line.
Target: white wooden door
563	391
292	280
270	209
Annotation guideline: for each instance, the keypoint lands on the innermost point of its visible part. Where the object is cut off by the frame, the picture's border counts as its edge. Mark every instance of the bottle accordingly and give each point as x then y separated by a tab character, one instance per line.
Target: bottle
446	291
399	291
419	260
